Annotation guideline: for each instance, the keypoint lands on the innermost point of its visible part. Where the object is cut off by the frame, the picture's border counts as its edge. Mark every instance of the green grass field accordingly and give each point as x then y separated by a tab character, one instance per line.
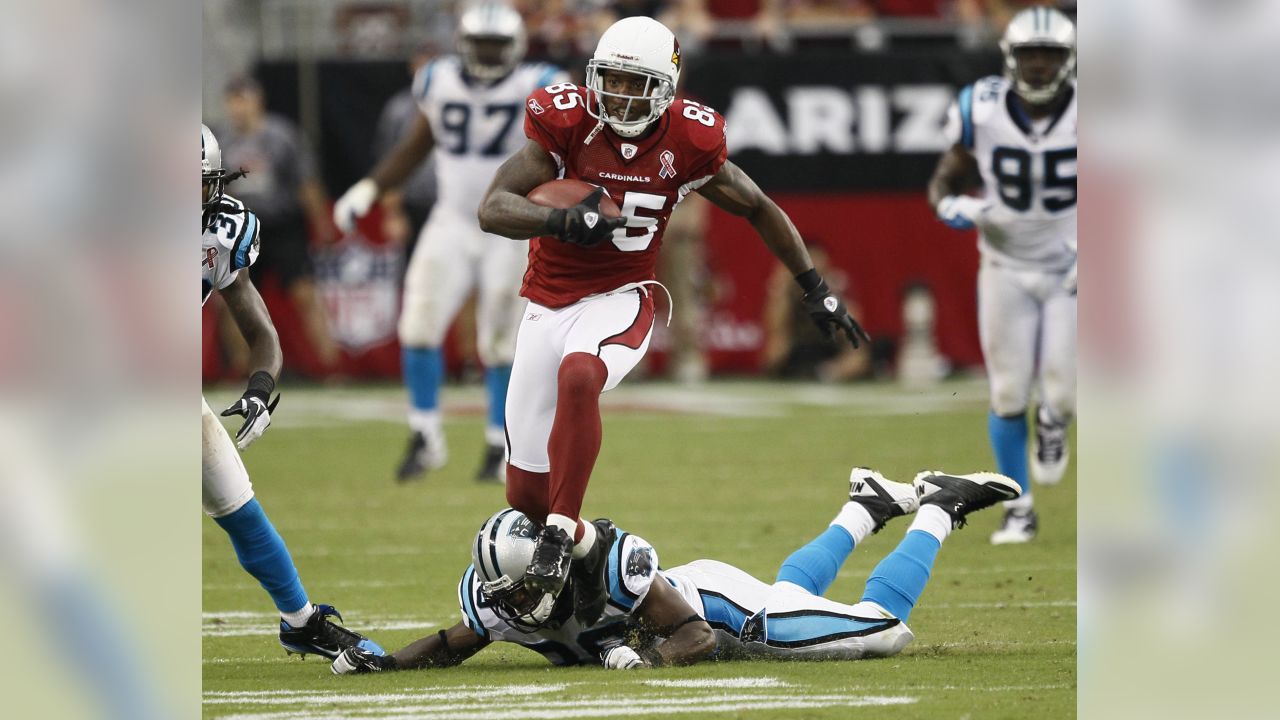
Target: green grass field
739	472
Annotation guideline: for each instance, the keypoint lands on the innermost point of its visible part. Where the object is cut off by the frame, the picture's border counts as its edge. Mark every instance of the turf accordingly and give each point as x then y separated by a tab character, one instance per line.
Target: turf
740	472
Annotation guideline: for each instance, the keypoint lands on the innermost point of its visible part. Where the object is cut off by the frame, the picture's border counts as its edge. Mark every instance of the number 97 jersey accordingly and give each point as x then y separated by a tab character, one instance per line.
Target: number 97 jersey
1028	174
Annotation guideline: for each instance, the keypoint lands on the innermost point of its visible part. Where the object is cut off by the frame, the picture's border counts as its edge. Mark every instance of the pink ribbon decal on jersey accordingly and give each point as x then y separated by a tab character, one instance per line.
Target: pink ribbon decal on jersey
668	159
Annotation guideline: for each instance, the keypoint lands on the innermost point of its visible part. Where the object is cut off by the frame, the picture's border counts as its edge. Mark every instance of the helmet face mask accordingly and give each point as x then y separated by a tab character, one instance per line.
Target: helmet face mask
491	40
632	50
1035	39
502	550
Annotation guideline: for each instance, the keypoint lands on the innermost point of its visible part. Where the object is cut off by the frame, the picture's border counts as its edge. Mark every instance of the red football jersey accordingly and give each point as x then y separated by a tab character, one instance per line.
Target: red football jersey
645	177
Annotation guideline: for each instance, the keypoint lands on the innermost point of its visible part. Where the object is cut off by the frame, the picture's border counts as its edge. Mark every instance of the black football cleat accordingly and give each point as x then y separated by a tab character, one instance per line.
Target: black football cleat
493	467
321	636
421	455
589	591
549	568
960	495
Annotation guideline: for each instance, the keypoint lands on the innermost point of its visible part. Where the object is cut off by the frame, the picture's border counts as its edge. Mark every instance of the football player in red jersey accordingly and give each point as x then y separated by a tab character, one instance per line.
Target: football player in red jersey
590	312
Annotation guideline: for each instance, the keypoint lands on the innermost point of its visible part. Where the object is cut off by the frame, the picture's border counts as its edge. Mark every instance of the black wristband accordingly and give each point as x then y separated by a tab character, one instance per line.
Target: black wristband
261	385
809	280
555	223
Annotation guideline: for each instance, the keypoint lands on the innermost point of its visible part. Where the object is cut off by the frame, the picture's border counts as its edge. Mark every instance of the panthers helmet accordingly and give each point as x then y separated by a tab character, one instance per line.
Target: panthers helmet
490	21
501	553
640	46
212	174
1038	27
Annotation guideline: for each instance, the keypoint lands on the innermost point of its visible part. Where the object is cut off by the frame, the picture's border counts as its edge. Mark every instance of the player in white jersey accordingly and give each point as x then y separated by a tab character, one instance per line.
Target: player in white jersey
647	616
229	244
472	108
1014	140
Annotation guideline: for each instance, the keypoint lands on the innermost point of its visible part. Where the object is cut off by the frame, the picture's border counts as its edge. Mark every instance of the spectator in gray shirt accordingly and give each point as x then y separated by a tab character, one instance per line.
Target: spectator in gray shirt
405	210
283	187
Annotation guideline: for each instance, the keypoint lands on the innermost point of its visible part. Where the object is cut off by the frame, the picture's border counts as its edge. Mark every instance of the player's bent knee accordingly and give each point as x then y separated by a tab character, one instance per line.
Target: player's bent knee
582	375
528	492
1007	402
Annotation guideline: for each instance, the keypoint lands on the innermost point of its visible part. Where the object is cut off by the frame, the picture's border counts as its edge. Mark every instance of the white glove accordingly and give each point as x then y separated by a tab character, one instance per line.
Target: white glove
354	204
622	657
256	412
1069	282
962	212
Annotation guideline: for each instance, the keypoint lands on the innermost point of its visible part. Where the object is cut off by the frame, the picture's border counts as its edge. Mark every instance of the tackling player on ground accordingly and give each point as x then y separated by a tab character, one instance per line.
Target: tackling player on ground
1014	139
229	244
684	614
591	310
470	105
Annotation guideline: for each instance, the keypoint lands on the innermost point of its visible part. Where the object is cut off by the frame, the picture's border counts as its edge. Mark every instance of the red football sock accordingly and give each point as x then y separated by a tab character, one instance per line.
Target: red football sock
575	433
528	492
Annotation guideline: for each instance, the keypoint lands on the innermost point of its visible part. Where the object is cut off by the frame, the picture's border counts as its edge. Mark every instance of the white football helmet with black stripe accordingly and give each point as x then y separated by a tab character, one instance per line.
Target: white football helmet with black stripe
1039	27
501	552
212	173
491	21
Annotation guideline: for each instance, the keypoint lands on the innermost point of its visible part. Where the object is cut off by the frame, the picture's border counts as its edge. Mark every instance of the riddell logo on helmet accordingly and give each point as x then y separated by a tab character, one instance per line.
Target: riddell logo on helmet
621	56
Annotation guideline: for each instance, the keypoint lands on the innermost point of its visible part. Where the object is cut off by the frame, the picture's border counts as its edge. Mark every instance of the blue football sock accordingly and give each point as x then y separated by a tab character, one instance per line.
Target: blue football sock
1009	443
496	380
423	374
814	566
899	579
263	554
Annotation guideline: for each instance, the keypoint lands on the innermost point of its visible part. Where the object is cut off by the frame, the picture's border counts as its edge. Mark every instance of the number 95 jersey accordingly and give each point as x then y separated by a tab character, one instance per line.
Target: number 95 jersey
1028	173
645	176
228	244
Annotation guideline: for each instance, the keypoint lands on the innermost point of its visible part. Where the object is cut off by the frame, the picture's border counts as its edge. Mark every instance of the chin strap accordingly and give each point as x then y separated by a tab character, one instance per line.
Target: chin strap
594	132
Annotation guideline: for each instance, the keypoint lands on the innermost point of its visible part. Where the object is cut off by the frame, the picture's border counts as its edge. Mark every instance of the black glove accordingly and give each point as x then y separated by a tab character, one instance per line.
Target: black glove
254	406
583	224
826	310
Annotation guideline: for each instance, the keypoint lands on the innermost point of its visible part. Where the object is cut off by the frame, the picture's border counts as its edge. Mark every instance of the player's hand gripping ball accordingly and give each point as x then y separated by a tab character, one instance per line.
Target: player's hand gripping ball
583	213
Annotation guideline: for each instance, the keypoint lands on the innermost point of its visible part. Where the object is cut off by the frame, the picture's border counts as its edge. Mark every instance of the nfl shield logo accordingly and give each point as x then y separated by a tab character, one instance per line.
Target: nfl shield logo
628	151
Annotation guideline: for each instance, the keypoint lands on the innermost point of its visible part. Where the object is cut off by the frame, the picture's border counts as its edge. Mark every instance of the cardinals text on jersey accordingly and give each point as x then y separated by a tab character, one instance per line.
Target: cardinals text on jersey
1028	173
632	566
229	244
646	177
476	126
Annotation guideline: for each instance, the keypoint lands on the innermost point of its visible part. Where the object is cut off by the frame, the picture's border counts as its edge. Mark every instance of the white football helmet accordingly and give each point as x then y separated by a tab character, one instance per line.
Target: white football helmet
212	174
501	552
1038	27
642	46
491	21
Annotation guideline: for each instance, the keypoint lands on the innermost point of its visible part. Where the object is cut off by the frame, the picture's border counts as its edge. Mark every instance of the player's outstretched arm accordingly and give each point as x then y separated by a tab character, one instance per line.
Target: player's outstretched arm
265	358
444	649
505	210
731	190
688	637
390	172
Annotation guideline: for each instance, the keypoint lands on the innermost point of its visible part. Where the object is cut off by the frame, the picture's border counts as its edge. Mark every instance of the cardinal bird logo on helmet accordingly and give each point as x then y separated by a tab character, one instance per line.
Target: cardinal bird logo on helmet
675	53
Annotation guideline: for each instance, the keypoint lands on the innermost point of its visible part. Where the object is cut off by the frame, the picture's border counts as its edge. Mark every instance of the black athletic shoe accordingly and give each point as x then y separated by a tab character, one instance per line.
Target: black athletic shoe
884	499
493	468
589	592
422	454
358	661
321	636
960	495
549	568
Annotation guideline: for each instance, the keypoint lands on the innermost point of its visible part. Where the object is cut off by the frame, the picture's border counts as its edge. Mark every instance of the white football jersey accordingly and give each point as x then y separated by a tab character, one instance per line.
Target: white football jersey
229	244
476	126
632	567
1028	172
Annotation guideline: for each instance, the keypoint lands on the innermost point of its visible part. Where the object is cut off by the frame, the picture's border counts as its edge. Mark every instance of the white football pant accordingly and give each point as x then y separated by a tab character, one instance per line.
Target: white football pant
1025	316
224	481
453	258
615	327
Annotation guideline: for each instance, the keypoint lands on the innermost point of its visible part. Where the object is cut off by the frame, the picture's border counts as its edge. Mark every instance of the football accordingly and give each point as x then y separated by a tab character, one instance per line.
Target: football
567	193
